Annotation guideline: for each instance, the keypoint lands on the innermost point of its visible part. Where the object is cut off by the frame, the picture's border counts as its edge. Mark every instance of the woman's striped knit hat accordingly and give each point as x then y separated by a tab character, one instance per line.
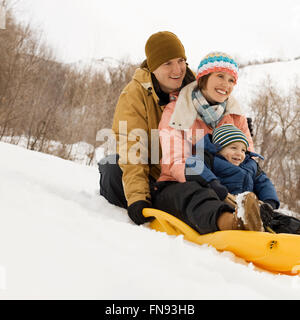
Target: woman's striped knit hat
217	61
228	133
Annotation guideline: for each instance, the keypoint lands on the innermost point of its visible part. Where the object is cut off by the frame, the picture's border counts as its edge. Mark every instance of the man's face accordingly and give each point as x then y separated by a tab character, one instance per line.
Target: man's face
171	74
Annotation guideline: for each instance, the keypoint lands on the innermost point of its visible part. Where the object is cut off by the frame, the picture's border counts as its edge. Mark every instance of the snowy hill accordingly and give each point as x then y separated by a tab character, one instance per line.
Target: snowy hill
60	240
284	77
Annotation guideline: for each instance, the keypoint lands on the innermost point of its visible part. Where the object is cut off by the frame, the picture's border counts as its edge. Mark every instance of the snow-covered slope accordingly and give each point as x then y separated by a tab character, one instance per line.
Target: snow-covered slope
283	76
60	240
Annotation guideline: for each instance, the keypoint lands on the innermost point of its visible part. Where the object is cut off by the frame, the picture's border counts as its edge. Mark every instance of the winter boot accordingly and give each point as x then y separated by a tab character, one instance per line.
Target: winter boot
247	213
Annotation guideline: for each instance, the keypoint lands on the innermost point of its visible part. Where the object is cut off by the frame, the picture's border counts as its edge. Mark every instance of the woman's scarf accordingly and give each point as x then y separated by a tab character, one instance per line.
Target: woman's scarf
210	114
185	113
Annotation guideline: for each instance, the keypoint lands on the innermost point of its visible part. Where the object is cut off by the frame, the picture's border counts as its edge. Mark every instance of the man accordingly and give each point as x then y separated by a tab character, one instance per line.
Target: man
140	106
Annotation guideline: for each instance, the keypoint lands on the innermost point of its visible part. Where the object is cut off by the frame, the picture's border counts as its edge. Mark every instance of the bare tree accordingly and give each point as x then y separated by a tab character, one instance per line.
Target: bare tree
276	137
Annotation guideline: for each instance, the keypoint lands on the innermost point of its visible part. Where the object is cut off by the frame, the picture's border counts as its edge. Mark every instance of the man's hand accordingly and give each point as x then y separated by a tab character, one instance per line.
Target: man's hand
135	212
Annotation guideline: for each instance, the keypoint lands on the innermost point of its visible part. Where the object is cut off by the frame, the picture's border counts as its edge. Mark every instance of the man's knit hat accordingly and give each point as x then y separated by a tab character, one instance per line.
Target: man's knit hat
217	61
162	47
228	133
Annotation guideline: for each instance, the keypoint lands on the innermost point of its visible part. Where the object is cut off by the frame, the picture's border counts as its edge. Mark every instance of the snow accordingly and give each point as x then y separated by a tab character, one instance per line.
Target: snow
239	202
61	240
78	151
282	76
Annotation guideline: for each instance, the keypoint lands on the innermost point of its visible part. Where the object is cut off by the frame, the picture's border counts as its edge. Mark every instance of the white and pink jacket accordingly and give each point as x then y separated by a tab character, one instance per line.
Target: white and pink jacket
180	130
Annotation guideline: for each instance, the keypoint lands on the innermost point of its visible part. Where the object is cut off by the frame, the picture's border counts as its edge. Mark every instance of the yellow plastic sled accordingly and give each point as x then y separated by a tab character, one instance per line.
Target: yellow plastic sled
278	253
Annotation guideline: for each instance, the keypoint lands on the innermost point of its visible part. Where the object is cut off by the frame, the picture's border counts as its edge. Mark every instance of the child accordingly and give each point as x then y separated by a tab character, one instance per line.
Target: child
228	167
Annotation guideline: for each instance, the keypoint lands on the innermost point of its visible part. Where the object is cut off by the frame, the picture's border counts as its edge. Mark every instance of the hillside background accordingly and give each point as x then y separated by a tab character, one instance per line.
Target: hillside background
58	108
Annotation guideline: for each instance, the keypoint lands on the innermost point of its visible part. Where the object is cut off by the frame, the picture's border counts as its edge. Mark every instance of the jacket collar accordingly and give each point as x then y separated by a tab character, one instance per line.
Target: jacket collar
143	76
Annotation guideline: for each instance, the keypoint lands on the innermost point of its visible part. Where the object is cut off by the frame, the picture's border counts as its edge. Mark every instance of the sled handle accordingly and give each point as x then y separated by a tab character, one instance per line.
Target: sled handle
165	222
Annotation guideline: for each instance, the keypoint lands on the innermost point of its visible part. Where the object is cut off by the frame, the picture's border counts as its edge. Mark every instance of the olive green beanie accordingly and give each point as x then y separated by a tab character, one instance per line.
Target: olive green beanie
162	47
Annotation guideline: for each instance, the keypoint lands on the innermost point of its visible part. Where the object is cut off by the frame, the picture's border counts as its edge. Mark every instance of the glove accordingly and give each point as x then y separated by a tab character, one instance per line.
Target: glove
282	223
135	212
266	215
278	222
219	189
250	126
272	203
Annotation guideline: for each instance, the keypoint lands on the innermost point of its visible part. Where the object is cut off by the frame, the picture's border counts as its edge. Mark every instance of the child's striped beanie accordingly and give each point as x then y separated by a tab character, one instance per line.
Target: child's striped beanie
217	61
228	133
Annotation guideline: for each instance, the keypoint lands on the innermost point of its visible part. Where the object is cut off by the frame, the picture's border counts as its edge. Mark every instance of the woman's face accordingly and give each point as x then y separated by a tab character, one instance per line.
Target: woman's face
218	87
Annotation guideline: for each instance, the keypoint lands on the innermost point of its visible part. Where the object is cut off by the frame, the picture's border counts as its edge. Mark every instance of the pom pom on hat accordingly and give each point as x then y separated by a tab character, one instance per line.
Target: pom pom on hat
227	134
217	61
162	47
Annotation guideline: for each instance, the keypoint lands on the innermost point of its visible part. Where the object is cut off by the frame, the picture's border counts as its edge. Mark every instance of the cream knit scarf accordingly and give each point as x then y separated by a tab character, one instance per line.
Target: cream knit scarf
210	114
185	112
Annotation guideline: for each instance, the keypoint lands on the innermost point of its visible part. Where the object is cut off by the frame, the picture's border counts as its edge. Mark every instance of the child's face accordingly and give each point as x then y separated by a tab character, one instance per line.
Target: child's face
234	153
219	87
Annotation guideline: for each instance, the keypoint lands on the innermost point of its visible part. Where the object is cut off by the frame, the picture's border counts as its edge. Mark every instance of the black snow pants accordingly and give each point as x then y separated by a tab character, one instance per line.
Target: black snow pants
190	202
111	186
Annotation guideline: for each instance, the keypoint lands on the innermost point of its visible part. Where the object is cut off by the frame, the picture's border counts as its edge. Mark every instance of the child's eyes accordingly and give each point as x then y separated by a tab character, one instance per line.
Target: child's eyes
235	148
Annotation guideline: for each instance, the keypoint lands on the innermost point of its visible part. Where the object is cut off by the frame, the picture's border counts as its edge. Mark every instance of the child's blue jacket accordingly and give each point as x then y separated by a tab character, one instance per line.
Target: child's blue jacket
207	165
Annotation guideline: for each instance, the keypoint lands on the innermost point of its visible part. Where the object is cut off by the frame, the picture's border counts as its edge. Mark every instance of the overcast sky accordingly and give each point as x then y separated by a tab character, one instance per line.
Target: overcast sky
83	29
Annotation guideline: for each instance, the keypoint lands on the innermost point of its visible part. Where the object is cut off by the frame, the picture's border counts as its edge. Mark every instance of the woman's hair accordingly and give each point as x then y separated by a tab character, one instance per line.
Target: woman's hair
203	81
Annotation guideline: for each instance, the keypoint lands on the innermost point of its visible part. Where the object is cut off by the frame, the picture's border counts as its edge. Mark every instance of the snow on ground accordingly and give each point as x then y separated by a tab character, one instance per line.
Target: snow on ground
283	76
78	151
60	240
